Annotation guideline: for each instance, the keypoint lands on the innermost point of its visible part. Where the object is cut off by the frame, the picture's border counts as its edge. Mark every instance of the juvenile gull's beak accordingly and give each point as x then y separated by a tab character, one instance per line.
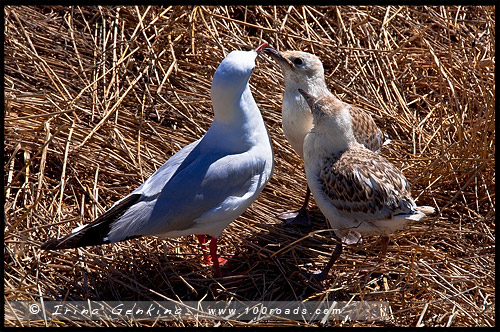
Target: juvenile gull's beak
278	57
308	97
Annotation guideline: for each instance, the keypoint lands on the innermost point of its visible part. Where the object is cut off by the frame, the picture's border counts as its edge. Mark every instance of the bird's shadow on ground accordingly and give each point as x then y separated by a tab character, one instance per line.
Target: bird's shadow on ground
268	266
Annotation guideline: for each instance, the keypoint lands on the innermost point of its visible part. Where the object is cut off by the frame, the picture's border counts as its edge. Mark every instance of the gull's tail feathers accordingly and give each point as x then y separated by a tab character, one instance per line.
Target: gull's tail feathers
94	233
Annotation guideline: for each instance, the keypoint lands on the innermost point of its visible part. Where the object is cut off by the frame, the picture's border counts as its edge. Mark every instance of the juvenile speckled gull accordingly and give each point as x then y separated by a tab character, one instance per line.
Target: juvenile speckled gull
206	185
305	71
354	187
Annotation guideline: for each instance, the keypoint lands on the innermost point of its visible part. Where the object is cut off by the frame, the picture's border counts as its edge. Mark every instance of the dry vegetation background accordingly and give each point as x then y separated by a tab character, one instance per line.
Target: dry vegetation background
97	98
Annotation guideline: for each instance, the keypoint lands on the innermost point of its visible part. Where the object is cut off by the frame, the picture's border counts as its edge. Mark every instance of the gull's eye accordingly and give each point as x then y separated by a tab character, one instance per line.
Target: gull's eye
297	61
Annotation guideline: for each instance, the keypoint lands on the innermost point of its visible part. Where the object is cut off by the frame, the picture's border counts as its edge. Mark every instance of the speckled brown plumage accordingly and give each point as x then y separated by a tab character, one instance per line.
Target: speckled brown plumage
303	70
360	182
359	192
365	130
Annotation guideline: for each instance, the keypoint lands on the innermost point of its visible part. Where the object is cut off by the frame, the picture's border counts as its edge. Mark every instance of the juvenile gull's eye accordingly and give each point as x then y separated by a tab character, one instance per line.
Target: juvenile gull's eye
297	61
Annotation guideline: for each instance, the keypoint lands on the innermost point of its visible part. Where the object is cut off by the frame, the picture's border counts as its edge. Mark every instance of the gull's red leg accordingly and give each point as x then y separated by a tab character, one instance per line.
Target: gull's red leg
206	257
215	258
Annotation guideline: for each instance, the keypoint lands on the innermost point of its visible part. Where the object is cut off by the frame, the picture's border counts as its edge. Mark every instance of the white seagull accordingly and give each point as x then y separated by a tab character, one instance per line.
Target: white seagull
206	185
302	70
355	188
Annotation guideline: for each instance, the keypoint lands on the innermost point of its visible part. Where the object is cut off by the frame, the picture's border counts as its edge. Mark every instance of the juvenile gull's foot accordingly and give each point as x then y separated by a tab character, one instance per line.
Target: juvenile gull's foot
299	217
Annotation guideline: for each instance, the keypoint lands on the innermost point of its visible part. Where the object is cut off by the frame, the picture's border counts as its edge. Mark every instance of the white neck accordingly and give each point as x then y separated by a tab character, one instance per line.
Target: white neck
236	110
314	86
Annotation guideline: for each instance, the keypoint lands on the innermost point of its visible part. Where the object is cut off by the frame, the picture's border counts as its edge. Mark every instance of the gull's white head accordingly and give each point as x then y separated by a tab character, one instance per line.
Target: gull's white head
235	70
301	68
230	86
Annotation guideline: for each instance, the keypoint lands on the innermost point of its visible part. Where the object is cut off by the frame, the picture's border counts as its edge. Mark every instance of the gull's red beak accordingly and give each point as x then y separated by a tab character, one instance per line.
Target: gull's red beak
261	47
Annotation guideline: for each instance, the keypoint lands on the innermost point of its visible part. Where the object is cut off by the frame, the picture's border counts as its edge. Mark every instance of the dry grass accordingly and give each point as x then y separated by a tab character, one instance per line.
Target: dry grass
97	98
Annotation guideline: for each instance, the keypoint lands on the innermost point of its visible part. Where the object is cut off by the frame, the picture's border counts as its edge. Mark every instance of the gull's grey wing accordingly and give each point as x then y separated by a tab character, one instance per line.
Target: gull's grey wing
155	183
96	232
195	192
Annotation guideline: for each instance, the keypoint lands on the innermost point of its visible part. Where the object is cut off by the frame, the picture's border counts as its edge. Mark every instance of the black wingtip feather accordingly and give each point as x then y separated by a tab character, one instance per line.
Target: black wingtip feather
50	244
95	232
